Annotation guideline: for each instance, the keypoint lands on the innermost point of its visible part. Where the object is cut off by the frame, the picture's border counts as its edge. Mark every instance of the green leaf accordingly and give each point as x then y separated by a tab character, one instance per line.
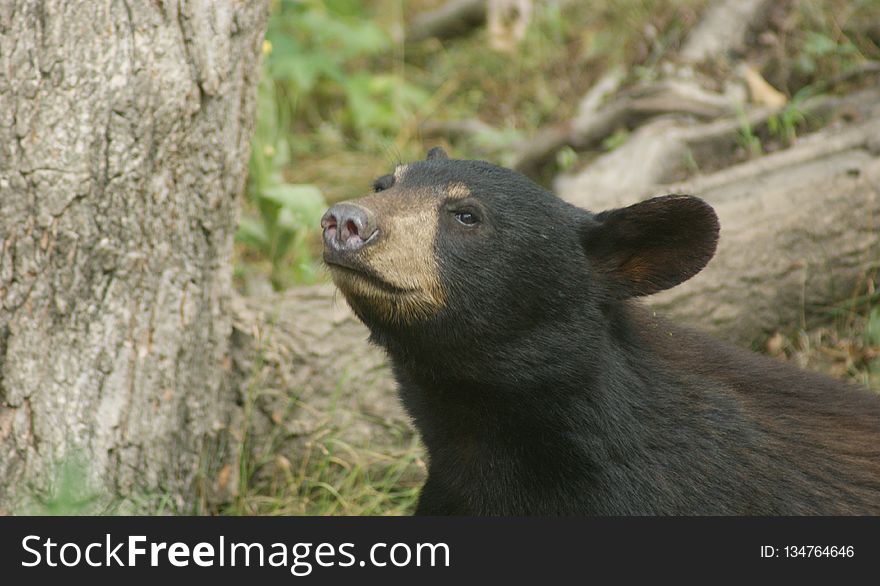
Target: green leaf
294	196
303	70
287	220
252	233
304	201
872	329
819	44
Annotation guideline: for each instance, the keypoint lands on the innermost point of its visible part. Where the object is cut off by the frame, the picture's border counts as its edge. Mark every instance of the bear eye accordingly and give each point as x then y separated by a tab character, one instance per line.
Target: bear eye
467	218
382	183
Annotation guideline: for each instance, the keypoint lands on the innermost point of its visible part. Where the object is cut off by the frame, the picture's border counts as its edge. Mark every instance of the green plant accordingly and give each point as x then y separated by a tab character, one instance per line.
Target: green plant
826	43
818	46
566	158
495	141
616	140
329	475
285	212
329	63
315	88
872	328
747	138
786	123
288	214
690	162
872	341
70	492
872	337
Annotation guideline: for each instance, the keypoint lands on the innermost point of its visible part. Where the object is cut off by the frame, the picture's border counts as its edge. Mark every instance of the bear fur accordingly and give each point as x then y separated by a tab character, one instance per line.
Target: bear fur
540	386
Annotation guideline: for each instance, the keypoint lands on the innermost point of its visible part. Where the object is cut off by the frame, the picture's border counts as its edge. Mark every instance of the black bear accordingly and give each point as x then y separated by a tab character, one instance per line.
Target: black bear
538	385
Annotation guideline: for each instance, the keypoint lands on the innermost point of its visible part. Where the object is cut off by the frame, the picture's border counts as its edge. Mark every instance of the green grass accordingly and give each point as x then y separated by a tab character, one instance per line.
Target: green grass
320	473
332	477
845	344
69	491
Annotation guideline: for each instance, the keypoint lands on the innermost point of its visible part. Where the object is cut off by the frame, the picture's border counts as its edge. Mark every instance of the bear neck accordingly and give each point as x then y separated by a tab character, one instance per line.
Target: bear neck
505	409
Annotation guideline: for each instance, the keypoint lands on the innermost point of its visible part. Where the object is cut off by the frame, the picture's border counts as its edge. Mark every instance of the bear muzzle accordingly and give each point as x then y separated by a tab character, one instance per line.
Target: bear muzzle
348	228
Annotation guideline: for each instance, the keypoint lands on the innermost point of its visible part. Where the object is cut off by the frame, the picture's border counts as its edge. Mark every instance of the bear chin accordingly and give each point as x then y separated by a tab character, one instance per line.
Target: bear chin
378	302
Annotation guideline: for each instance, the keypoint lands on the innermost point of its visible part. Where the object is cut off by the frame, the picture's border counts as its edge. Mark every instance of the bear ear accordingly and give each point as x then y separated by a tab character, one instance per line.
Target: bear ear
437	153
652	245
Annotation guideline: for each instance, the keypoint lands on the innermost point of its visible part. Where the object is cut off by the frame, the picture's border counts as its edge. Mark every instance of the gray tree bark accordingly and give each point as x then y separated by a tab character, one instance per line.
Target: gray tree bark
124	141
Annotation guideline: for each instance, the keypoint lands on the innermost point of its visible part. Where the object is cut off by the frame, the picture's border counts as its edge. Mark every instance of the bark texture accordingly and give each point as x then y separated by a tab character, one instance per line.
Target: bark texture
124	140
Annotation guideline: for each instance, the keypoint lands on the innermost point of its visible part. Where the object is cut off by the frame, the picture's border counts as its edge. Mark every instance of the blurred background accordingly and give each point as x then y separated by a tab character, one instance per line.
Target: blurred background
344	96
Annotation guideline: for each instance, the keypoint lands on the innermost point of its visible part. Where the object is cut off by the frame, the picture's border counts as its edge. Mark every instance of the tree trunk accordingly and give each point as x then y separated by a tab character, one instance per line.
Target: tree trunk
124	141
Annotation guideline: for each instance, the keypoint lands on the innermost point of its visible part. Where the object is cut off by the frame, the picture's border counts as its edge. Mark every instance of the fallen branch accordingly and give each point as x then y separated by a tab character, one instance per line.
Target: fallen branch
630	110
669	149
723	29
800	234
454	129
453	19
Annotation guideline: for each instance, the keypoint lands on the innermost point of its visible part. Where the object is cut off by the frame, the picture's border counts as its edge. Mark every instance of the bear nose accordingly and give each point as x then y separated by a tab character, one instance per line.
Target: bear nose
347	227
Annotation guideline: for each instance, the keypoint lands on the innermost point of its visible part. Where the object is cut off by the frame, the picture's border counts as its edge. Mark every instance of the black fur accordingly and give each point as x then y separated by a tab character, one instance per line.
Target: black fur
542	388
